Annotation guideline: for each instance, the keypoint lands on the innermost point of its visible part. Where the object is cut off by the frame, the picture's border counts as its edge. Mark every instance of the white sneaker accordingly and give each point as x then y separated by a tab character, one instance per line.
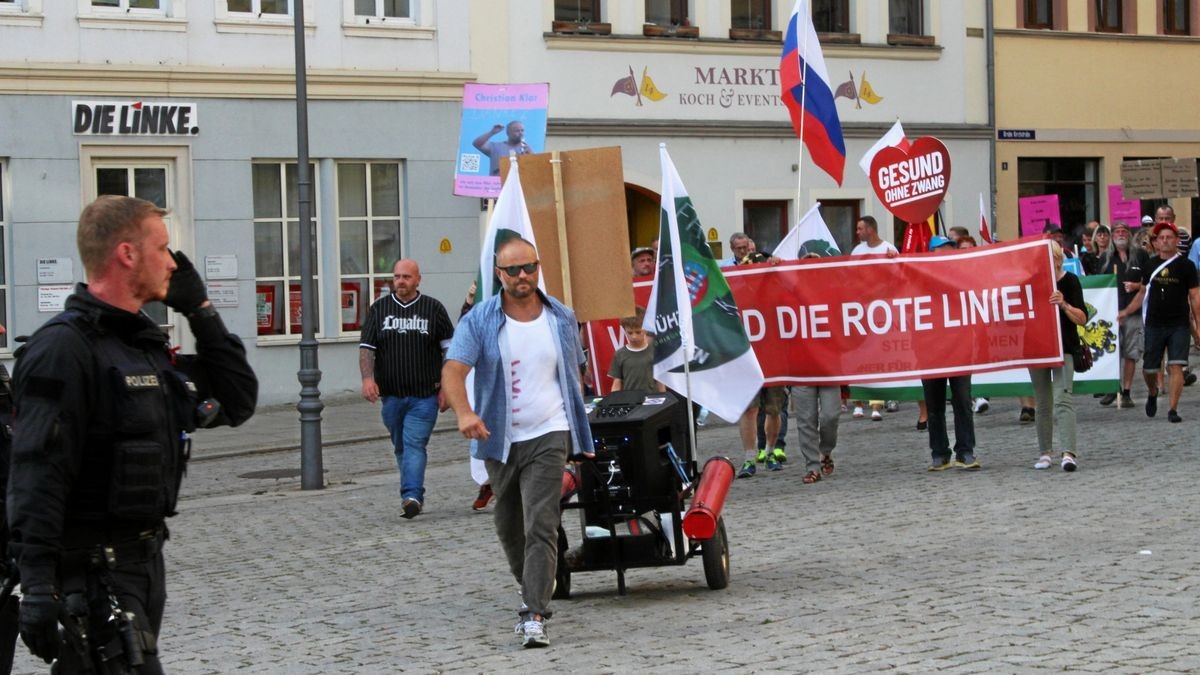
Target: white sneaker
876	416
1043	462
858	412
1068	463
533	634
981	406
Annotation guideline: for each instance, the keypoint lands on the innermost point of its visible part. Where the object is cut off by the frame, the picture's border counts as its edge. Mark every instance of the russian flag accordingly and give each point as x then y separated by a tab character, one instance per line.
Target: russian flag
802	67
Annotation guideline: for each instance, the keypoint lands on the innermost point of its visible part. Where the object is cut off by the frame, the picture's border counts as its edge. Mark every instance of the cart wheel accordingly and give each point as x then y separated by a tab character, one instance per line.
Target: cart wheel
562	577
715	552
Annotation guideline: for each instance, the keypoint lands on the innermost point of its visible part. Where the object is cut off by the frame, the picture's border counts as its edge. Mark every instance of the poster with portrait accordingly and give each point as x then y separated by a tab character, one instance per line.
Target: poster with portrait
497	119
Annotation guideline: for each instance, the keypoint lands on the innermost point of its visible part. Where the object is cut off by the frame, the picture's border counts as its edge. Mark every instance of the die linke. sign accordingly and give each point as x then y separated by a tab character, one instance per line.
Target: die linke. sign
134	118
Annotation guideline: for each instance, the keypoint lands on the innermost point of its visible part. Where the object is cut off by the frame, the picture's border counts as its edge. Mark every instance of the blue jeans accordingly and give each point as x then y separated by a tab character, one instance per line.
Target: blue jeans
410	419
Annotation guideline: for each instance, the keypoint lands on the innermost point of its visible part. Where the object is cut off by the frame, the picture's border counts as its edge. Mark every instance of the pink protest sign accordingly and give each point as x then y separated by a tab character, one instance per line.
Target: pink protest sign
497	119
1121	210
1037	212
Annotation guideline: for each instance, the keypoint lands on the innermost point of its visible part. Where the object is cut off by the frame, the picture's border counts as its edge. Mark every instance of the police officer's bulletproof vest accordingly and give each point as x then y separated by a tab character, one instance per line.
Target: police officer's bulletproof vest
135	449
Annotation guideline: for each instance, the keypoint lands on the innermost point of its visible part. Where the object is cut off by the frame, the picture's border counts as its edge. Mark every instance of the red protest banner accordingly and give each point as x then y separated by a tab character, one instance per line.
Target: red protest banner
876	319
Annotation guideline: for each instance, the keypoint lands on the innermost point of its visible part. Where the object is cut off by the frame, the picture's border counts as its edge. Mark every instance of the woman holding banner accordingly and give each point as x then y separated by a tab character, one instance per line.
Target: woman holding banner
1052	387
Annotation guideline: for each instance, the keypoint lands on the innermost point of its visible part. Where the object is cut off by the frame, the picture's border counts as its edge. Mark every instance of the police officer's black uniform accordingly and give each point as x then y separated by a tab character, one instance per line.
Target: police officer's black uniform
8	601
99	449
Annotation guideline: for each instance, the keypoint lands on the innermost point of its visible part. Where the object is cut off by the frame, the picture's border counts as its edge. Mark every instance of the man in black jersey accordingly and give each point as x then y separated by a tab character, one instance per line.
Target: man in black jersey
400	359
1169	289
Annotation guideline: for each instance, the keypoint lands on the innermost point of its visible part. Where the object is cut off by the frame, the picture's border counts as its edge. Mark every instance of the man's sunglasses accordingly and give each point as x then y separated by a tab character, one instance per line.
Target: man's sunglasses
515	270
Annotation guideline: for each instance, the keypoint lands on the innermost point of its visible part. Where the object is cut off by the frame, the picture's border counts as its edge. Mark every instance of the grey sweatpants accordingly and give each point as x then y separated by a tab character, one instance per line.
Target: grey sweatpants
1052	389
527	513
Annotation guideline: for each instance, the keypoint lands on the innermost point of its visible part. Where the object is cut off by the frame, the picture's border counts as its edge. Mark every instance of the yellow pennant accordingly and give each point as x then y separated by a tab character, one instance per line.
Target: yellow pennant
866	93
648	89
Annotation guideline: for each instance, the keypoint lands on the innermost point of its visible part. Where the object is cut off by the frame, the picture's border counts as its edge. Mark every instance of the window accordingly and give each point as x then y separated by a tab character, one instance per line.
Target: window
766	222
1074	180
277	247
578	11
3	256
831	16
129	5
751	15
1039	14
1108	16
668	12
168	15
1177	17
841	215
905	17
144	180
383	9
266	17
369	226
261	8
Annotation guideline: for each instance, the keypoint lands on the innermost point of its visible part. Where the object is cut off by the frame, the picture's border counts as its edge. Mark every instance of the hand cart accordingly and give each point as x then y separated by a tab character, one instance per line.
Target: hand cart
632	498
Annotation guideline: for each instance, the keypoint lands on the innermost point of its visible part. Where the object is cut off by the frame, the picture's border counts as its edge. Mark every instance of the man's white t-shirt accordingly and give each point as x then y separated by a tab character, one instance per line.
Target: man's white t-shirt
863	249
536	402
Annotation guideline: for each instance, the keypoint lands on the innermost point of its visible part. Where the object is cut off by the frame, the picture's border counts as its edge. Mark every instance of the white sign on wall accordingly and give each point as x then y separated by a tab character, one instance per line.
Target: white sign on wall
220	267
55	270
223	294
52	298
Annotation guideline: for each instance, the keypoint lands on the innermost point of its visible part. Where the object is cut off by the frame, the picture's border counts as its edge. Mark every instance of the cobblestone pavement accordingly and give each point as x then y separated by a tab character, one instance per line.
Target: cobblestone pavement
882	567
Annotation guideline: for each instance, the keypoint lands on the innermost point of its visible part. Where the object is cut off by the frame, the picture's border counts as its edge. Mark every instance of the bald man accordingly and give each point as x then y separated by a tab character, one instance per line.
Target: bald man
400	355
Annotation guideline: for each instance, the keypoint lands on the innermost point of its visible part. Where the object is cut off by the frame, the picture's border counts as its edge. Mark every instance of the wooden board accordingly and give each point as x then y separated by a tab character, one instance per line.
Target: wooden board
1142	179
593	191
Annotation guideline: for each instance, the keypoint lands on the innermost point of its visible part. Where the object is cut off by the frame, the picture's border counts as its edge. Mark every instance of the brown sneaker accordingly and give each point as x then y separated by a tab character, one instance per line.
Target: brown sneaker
484	498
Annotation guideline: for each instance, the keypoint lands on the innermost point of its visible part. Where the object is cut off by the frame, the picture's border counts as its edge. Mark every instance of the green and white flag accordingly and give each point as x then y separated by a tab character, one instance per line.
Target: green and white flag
810	236
692	313
510	219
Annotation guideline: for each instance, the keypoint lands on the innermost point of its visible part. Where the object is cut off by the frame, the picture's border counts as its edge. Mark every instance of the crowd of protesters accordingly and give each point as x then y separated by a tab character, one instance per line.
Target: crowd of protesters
1159	309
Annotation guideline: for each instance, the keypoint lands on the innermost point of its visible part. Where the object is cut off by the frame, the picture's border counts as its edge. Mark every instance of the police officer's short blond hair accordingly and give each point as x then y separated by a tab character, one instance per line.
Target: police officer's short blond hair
108	221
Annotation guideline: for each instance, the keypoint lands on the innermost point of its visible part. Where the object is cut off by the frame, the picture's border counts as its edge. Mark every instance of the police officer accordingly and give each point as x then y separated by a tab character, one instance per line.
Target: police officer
8	578
104	407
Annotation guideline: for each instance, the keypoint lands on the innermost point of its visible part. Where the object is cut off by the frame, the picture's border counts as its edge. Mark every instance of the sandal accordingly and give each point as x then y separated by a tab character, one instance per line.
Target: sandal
811	477
827	465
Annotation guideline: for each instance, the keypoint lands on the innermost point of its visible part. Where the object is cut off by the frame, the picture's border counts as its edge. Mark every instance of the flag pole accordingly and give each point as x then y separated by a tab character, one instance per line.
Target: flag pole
691	412
674	243
803	95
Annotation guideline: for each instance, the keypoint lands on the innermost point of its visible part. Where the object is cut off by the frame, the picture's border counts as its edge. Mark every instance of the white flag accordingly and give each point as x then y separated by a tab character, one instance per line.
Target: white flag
510	218
692	313
811	235
893	138
985	232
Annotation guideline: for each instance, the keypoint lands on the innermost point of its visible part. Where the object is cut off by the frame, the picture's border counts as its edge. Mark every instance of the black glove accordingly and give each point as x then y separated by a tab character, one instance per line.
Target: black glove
38	620
186	292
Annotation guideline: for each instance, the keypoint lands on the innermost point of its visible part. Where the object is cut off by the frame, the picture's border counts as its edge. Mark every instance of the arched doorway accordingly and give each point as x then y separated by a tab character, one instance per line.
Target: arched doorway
642	209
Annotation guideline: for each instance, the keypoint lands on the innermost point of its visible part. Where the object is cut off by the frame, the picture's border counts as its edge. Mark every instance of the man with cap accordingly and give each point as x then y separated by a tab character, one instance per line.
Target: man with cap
1126	262
1051	229
1166	214
1147	221
1169	289
642	260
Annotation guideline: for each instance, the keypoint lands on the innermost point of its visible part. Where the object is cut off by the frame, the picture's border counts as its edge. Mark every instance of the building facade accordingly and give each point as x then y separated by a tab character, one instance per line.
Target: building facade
705	76
1083	86
191	105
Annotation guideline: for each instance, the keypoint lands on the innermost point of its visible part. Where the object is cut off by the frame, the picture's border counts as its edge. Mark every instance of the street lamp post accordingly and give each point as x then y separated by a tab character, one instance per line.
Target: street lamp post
311	472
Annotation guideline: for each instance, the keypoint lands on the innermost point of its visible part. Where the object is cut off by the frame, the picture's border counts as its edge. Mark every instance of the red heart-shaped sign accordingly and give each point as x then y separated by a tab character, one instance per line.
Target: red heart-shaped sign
912	183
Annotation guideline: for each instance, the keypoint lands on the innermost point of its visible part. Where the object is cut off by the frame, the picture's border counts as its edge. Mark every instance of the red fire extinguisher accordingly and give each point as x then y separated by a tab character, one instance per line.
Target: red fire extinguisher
700	521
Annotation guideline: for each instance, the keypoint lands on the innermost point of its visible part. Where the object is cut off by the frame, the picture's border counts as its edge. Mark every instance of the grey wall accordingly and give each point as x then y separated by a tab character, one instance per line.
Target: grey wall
43	166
